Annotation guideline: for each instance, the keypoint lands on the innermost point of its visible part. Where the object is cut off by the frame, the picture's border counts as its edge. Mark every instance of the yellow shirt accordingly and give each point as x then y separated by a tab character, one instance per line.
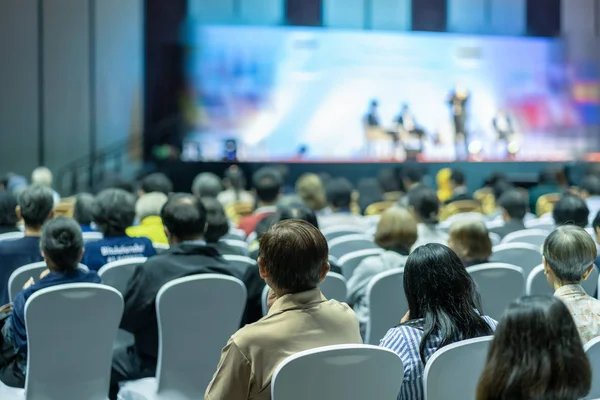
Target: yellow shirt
295	322
151	228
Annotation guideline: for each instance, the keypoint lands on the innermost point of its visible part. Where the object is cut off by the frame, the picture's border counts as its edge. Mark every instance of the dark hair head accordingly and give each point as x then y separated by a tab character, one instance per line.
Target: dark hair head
569	251
374	103
570	209
217	222
294	253
235	177
267	183
114	212
458	177
301	212
339	192
36	203
83	210
500	188
495	178
8	204
591	185
413	173
425	203
548	177
536	354
157	182
441	296
515	203
388	180
62	244
184	216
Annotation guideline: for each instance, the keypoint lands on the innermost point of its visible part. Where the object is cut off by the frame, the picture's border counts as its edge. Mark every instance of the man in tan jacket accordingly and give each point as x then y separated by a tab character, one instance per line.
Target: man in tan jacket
292	261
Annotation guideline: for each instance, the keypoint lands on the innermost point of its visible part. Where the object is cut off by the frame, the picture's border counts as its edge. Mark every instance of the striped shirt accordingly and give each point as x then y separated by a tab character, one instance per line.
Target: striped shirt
404	340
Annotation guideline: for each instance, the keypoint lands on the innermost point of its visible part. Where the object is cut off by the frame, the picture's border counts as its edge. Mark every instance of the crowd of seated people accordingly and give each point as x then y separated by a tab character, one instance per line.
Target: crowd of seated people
292	259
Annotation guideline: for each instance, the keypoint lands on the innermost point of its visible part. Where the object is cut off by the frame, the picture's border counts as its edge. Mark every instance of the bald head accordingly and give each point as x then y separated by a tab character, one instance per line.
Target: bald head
569	251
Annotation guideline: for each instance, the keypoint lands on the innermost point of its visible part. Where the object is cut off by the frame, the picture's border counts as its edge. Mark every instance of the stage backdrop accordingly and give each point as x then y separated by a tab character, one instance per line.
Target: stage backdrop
290	93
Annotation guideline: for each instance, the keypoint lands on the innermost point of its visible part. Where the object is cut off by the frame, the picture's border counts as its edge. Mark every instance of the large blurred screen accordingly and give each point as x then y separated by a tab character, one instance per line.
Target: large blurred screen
289	94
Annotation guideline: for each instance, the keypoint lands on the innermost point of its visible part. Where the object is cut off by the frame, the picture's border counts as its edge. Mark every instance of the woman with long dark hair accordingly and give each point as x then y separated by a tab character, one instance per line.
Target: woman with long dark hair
443	308
536	355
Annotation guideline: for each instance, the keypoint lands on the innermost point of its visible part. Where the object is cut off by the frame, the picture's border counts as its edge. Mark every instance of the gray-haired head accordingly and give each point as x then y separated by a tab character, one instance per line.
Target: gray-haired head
206	184
569	251
150	204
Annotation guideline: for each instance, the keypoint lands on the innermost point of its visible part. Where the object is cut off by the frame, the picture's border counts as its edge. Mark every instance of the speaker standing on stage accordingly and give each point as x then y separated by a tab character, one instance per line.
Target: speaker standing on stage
458	100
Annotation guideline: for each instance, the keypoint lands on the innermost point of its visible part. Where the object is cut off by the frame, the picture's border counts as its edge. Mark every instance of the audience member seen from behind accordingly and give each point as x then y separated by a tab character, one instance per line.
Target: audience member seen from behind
36	206
369	192
412	179
234	183
547	184
8	213
396	233
460	191
513	206
590	192
217	226
43	176
570	209
184	218
425	207
83	211
443	308
536	354
206	184
267	185
569	254
470	240
62	247
293	261
311	191
338	192
596	227
114	212
147	212
156	183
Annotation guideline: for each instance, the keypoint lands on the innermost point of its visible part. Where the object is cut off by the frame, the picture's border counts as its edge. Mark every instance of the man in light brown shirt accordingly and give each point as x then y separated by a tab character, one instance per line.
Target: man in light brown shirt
292	261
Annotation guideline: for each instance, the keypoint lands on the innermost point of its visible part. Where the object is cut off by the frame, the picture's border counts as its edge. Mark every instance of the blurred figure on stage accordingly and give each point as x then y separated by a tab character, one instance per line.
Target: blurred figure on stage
457	99
372	117
409	134
505	134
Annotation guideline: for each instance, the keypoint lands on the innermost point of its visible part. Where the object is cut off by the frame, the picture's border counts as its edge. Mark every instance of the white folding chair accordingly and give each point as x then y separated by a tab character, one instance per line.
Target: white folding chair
523	255
235	233
340	372
334	287
592	350
11	236
453	371
235	243
92	236
63	366
339	231
264	297
189	347
350	261
544	224
498	284
467	216
537	283
535	237
21	275
160	247
387	304
495	238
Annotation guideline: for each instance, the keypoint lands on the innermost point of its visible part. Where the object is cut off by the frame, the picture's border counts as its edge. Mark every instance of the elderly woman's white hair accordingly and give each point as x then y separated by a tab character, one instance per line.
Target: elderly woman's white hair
149	205
42	176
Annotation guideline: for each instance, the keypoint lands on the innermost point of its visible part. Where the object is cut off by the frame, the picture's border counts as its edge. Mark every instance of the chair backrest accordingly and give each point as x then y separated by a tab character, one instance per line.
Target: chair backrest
343	245
338	372
235	243
264	296
160	247
461	207
117	274
524	255
537	283
11	236
21	275
350	261
498	284
464	216
70	333
544	224
92	236
495	238
592	350
196	316
341	230
453	371
535	237
235	233
387	304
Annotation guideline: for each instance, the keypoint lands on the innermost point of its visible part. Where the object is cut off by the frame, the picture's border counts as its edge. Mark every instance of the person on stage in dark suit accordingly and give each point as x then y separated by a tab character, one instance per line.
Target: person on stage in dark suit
372	117
457	100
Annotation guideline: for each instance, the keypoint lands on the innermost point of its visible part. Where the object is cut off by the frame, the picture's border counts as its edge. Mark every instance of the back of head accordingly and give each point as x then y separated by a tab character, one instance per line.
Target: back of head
388	180
150	204
206	184
62	244
396	230
114	212
184	216
36	204
500	188
458	177
83	210
300	213
267	184
157	182
470	240
590	185
536	354
235	178
412	174
569	251
495	178
310	189
339	193
425	204
41	176
294	254
441	296
217	223
514	203
8	204
548	177
570	209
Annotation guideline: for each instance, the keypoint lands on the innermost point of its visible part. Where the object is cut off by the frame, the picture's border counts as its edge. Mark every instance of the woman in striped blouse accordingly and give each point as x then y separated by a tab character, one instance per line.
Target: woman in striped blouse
444	308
